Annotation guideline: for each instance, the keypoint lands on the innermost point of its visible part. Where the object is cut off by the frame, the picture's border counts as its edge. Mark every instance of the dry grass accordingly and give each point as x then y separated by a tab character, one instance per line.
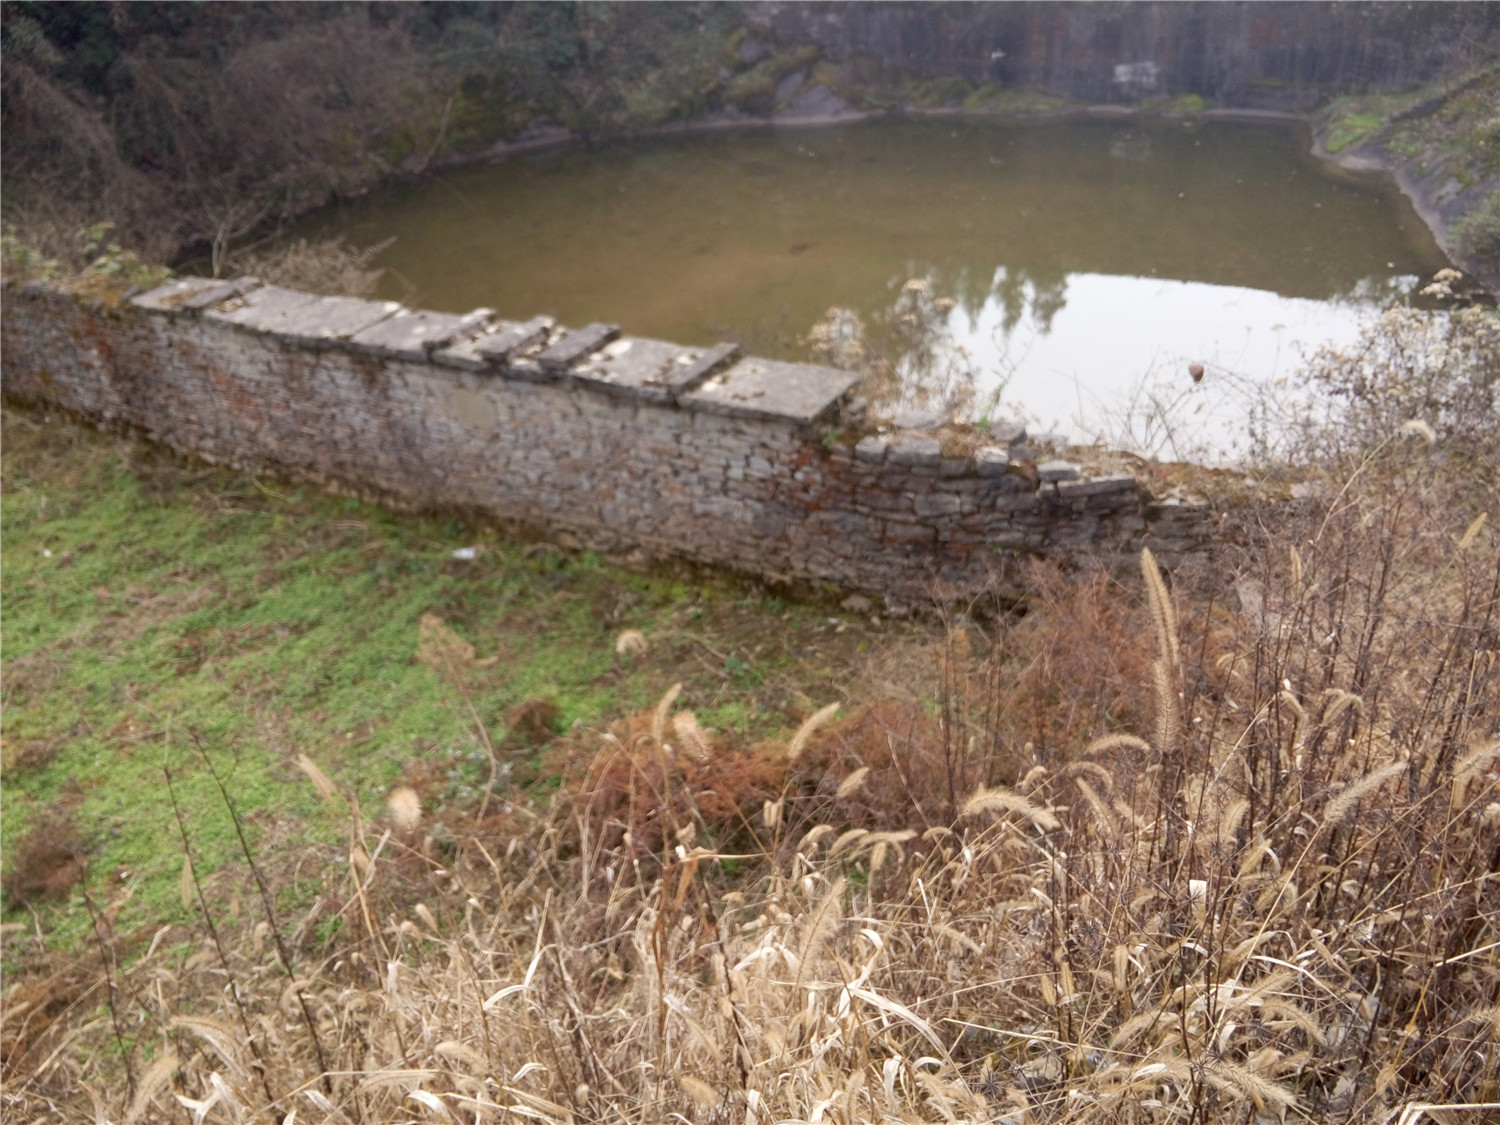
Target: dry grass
1270	897
1224	851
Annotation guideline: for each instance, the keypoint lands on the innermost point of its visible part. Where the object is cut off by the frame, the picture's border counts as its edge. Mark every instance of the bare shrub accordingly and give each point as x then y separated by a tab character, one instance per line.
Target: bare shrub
328	266
218	129
1439	370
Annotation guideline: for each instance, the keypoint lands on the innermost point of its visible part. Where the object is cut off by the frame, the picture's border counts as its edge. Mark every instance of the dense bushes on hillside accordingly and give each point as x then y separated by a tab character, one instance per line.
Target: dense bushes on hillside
194	124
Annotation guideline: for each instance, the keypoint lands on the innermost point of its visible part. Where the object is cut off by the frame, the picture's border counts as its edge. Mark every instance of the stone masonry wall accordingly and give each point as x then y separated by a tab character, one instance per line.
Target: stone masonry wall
592	438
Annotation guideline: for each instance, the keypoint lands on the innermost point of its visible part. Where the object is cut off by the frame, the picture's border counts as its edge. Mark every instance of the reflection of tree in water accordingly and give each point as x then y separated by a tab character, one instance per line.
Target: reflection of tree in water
1042	292
914	370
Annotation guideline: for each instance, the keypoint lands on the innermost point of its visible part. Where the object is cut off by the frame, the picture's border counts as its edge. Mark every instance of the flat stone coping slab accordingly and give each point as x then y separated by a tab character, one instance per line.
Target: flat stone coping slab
765	388
705	365
575	345
330	318
512	338
411	335
220	292
165	298
254	309
650	369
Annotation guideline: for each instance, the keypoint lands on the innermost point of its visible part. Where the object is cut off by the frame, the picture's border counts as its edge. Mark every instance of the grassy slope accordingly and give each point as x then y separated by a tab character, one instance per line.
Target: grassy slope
276	622
1449	125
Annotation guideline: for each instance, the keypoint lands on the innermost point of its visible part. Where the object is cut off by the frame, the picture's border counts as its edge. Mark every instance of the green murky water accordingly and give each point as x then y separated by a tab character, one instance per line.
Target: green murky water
1064	272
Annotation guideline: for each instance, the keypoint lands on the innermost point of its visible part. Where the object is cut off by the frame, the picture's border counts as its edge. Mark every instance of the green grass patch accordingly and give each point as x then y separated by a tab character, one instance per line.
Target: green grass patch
151	605
1351	130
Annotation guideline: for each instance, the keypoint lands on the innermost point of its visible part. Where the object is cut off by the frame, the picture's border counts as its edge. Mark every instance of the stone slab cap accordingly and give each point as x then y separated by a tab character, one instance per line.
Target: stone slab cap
1007	433
871	447
219	293
512	338
256	308
766	388
575	345
992	461
691	377
411	335
166	298
1050	472
650	368
1098	486
330	318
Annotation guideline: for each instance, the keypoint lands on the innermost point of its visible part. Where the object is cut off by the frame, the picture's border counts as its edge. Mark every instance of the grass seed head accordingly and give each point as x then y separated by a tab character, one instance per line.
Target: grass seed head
405	808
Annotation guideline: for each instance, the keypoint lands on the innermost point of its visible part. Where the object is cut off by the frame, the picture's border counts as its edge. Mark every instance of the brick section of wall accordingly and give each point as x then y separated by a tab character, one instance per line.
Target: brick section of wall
753	492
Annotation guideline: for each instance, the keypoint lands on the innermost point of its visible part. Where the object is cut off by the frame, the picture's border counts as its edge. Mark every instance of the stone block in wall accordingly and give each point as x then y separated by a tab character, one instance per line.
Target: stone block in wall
992	462
908	533
1051	472
871	448
852	523
937	504
868	500
963	486
915	451
1073	534
1014	539
771	390
1017	501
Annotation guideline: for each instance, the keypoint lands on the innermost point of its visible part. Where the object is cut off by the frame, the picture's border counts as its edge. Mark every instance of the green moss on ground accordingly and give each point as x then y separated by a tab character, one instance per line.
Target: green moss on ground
147	600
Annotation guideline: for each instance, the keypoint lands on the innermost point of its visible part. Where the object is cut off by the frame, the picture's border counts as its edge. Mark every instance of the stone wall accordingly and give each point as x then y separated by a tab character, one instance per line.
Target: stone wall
592	438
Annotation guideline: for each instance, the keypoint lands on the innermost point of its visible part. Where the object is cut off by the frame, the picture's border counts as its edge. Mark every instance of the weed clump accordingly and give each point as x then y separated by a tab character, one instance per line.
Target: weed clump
49	860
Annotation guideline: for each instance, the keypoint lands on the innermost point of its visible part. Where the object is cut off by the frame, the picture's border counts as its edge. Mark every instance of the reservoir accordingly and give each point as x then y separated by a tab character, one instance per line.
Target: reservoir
1064	273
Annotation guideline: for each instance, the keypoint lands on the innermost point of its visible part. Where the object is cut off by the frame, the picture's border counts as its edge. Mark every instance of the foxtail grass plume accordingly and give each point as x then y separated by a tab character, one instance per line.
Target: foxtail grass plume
999	799
1342	805
405	807
631	642
805	731
1420	428
852	783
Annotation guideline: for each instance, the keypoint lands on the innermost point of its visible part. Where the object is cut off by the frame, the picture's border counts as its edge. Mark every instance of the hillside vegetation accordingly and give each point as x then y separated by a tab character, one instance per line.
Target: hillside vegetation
201	128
